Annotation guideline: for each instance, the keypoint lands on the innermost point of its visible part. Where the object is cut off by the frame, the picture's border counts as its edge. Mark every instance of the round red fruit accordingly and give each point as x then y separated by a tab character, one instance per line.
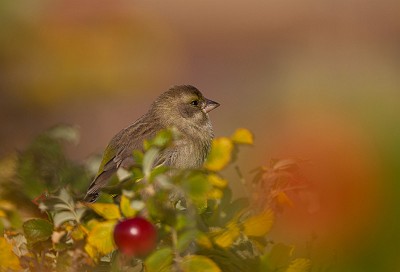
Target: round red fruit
135	236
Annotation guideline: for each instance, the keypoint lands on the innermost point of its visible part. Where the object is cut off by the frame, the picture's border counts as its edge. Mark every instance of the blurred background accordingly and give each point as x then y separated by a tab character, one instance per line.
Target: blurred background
313	79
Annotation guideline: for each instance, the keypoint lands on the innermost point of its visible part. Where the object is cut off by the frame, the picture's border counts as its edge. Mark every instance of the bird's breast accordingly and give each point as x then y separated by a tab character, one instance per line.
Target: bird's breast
187	154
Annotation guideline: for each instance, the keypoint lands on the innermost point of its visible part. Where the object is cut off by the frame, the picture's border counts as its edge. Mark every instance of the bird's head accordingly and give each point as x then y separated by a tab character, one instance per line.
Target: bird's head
184	105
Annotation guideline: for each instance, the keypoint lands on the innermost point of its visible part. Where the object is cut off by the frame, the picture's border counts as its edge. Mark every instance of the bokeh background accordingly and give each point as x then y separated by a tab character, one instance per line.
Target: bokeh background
317	80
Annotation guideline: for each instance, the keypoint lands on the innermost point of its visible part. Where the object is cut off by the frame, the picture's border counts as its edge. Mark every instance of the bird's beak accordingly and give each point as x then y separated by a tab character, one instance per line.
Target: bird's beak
210	105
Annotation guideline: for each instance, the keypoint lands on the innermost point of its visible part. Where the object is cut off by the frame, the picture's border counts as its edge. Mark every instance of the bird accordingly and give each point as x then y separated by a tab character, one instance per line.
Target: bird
182	108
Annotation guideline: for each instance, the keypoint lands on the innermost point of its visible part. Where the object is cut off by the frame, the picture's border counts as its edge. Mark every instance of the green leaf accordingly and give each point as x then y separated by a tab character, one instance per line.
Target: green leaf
277	258
161	140
184	221
159	261
197	263
126	207
299	265
148	160
220	154
197	186
37	230
242	136
101	237
156	171
185	239
138	157
106	210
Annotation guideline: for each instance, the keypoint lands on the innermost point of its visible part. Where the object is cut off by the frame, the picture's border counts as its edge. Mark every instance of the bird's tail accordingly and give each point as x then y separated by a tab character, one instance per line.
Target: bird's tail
99	182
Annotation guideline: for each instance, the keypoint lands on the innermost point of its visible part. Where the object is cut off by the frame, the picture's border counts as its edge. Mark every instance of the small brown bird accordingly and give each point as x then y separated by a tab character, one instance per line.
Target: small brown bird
181	107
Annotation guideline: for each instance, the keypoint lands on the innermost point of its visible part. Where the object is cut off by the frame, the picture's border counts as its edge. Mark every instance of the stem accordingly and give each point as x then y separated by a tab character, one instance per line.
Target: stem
242	180
178	258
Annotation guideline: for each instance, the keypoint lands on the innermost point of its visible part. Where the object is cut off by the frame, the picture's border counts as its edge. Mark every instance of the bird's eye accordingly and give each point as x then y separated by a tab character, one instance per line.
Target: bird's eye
195	102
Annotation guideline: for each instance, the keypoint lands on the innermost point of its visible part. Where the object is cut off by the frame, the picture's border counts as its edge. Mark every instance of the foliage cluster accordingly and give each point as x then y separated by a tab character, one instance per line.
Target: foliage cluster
45	226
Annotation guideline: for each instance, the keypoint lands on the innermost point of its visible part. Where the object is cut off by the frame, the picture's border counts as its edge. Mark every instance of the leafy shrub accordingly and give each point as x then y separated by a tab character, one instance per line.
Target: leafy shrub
200	226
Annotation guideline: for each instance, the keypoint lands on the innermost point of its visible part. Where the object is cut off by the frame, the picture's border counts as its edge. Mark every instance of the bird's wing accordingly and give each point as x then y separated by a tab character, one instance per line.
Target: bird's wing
119	153
108	166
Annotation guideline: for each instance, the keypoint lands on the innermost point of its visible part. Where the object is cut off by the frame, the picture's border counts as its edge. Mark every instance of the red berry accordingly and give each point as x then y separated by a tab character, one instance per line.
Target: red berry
135	236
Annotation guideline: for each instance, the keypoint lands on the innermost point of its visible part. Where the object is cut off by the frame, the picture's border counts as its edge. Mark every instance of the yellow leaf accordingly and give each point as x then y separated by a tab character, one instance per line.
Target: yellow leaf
6	205
242	136
106	210
78	234
91	251
228	236
217	181
258	225
101	237
215	194
299	265
2	213
91	224
220	154
283	199
126	208
8	260
196	263
203	241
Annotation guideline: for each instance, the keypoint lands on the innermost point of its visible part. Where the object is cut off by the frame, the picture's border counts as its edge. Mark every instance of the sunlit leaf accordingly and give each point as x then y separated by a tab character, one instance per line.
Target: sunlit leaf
78	233
203	240
126	208
19	243
159	261
106	210
8	260
226	237
217	181
197	186
36	230
215	194
91	251
220	154
242	136
258	225
299	265
197	263
101	237
161	140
